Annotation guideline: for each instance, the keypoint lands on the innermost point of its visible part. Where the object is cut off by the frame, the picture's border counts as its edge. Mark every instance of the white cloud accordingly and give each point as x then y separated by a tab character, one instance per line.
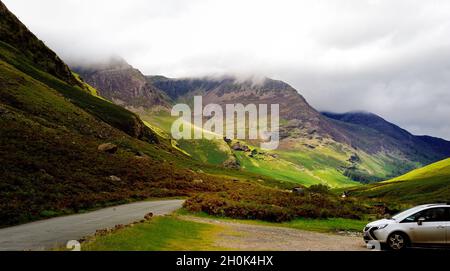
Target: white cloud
388	57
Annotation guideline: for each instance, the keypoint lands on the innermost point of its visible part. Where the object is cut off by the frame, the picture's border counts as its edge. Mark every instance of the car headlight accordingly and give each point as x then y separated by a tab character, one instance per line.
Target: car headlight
382	226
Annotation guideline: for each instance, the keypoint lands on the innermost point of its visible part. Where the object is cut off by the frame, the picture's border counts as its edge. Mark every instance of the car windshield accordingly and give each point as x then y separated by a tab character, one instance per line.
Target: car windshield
406	212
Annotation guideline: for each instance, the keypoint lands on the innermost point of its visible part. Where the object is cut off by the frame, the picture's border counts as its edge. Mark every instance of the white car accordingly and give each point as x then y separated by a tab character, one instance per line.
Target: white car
424	225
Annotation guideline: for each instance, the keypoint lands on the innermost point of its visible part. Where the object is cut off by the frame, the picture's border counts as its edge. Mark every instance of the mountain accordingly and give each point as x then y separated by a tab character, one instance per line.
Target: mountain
430	184
439	145
388	136
119	82
373	121
63	149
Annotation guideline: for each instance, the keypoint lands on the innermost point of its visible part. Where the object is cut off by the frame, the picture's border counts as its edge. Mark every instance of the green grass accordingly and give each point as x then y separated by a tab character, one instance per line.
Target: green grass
277	169
161	233
213	152
425	185
436	170
306	168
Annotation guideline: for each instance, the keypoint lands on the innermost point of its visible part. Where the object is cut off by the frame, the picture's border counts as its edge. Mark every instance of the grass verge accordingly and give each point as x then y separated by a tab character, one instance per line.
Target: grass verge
160	233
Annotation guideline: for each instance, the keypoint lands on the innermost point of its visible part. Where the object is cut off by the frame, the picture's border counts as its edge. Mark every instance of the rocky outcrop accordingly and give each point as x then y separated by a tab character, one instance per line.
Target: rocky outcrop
108	148
238	146
122	84
231	163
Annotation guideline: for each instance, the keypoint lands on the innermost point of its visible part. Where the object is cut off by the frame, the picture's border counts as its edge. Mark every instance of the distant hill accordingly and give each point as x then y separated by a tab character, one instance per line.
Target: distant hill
430	184
389	137
439	145
373	121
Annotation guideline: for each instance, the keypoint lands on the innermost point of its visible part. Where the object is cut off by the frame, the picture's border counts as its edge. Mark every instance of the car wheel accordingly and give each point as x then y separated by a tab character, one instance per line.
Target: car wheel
397	241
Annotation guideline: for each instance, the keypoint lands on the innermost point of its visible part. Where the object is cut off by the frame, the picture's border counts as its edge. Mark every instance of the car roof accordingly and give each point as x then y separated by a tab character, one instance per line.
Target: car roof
436	204
419	208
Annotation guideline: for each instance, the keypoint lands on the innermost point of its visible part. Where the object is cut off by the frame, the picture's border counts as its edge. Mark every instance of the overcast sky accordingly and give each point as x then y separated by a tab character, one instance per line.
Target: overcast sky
388	57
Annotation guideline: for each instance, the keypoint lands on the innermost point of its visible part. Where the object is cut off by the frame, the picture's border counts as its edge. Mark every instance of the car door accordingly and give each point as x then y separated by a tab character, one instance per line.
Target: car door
432	230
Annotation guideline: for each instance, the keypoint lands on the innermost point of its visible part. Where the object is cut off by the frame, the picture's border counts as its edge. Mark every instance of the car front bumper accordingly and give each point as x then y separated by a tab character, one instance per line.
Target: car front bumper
374	234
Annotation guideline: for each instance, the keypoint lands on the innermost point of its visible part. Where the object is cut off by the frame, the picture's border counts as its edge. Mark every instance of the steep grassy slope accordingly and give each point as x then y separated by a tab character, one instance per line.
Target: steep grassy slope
425	185
13	32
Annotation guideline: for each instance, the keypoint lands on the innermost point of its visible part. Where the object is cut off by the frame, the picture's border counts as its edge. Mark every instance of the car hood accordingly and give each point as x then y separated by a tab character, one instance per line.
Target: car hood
380	222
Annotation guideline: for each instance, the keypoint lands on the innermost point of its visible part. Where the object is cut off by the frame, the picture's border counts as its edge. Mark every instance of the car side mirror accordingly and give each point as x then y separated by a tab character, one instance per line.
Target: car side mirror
420	221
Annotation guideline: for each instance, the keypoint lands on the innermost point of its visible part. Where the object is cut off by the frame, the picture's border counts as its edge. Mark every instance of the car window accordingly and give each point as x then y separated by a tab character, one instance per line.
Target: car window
430	215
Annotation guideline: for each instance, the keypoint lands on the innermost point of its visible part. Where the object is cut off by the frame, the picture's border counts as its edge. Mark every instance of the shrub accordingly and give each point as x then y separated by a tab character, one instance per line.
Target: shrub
319	188
257	202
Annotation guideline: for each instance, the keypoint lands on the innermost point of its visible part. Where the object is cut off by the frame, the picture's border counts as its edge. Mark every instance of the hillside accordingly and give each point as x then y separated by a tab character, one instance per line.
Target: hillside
424	185
14	33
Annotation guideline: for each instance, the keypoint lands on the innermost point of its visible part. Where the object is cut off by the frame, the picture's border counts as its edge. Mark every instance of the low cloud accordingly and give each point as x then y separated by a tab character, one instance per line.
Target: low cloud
388	57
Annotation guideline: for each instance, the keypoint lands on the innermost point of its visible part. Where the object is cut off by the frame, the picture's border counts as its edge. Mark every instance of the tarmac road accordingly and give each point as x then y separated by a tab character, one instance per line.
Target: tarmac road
55	232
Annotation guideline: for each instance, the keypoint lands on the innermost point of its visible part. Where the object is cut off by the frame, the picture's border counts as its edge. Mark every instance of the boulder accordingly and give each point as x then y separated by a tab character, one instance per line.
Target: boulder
299	191
240	147
354	158
114	178
231	163
108	148
197	181
148	216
